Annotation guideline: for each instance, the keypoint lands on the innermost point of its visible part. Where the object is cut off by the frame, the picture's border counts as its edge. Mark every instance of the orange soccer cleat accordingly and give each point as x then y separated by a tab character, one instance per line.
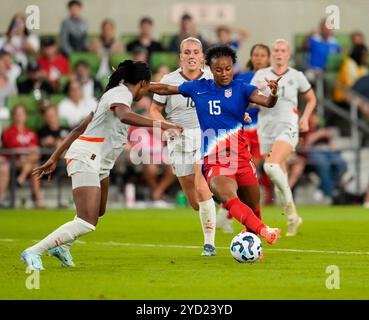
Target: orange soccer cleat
271	235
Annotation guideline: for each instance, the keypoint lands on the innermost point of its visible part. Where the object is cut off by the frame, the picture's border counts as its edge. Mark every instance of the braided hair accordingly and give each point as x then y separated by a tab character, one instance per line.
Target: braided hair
129	71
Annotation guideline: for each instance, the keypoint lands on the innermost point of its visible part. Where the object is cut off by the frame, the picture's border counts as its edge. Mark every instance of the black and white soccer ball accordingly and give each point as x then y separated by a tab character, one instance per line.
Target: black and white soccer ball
246	247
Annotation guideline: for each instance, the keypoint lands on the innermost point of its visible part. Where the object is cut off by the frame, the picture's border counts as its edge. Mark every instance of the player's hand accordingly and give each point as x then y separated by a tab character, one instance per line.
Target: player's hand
303	124
273	84
45	170
247	118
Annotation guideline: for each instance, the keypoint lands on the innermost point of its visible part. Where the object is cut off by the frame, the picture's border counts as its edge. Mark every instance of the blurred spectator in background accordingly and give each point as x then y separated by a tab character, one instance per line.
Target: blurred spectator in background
91	88
320	45
324	159
74	108
145	40
13	70
19	138
161	71
53	64
73	30
187	29
353	67
361	86
52	133
5	177
19	41
158	175
105	45
34	82
296	164
224	35
366	200
357	38
140	54
7	88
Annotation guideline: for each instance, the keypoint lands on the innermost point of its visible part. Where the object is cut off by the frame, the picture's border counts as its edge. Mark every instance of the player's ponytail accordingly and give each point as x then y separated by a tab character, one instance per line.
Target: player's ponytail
129	71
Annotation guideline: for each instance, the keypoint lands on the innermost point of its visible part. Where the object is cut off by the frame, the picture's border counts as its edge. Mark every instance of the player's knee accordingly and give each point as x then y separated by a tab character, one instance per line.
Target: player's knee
203	194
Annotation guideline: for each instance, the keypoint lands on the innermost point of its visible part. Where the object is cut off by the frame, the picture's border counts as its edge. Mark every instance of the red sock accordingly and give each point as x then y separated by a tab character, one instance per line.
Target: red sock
229	216
244	215
257	212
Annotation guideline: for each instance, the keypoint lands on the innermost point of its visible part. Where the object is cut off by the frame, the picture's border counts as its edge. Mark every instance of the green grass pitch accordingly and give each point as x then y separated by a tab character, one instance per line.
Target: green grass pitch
155	254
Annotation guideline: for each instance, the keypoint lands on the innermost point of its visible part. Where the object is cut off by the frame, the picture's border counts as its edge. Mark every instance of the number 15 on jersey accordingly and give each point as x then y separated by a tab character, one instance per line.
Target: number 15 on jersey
214	107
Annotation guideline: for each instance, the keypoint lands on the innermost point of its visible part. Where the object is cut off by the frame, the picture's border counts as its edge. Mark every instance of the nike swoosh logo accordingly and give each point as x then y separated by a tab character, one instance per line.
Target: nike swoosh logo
201	92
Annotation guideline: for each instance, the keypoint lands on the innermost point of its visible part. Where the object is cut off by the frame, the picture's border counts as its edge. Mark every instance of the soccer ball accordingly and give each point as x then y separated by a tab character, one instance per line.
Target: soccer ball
246	247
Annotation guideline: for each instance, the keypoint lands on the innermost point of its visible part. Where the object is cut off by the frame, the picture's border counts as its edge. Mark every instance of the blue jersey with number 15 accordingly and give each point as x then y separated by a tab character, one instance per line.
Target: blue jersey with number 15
220	111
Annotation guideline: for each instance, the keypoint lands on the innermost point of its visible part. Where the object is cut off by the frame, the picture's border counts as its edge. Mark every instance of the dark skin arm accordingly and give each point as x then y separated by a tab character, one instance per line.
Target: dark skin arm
163	89
49	166
264	101
127	116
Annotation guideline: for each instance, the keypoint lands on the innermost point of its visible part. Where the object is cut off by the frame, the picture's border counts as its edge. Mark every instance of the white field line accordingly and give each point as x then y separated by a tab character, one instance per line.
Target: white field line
151	245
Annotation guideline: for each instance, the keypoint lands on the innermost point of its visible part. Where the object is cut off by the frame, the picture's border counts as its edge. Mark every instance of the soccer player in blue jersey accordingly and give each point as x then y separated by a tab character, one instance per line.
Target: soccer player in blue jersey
220	105
259	59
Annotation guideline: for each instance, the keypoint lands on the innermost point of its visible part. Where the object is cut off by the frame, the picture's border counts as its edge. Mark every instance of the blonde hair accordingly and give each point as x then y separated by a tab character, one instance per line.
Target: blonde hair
192	39
284	41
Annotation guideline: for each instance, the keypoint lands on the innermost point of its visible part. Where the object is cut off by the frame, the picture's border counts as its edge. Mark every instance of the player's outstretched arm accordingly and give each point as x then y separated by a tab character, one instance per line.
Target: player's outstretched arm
163	89
267	101
49	166
127	116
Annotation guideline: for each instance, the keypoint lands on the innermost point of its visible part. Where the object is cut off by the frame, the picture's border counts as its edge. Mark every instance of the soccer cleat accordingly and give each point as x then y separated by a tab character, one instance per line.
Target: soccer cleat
271	235
33	261
209	251
63	254
293	225
223	222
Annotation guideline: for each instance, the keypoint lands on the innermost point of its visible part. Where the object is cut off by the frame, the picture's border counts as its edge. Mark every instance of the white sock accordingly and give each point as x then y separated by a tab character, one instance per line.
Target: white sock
280	180
66	233
207	214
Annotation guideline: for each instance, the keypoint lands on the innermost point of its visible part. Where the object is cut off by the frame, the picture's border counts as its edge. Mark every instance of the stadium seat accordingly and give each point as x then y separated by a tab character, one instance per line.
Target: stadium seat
334	62
168	58
298	41
165	40
330	82
128	37
117	58
56	98
344	41
92	59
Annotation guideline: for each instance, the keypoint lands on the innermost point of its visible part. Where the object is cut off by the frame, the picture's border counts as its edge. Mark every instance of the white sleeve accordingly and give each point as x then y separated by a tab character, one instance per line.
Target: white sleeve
303	83
159	98
121	97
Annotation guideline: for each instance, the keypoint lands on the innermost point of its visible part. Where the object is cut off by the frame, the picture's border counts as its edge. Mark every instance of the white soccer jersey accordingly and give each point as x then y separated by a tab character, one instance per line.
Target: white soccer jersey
179	109
105	132
285	111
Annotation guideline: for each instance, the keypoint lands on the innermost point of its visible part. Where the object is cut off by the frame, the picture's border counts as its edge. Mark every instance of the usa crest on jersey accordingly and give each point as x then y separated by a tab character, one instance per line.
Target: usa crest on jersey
228	93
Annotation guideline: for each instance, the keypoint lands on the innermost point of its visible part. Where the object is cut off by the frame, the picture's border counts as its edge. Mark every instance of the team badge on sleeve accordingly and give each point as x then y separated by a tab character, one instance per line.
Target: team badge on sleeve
228	93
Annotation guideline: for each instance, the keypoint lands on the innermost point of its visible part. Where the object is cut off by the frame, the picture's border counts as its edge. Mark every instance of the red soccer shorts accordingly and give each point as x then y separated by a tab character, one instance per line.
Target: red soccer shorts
242	170
252	138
